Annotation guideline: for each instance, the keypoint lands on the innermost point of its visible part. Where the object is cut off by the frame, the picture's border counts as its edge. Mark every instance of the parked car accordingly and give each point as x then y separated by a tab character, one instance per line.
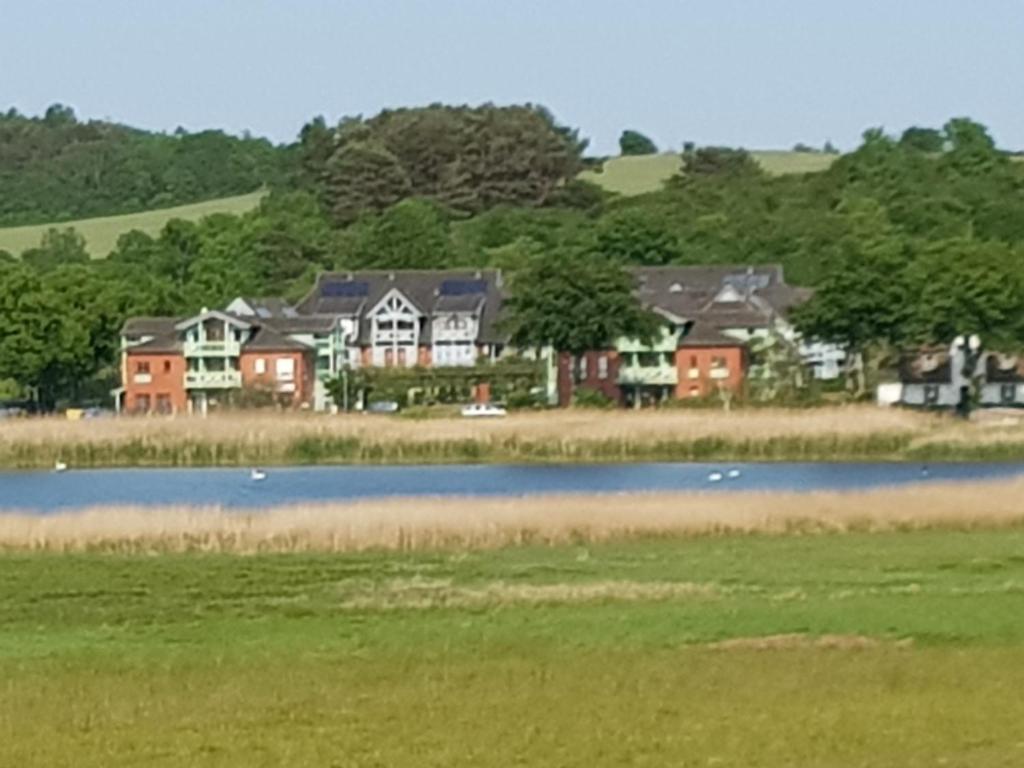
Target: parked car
477	410
382	406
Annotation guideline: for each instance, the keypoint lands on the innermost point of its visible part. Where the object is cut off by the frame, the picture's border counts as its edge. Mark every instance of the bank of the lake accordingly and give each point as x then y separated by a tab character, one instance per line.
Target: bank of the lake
824	434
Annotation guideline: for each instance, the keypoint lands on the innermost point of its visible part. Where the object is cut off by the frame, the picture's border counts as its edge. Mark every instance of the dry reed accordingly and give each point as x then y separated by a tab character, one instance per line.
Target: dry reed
468	523
239	439
261	428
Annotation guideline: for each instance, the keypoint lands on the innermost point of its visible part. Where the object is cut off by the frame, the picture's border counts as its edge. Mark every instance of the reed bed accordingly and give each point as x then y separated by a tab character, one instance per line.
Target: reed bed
242	439
487	522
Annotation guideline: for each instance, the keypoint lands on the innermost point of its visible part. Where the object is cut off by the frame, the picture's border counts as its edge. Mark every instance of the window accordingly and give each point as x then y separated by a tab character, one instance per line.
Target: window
142	403
582	367
602	367
667	358
931	394
167	366
260	366
718	362
693	361
1008	393
694	391
163	403
648	359
142	366
285	367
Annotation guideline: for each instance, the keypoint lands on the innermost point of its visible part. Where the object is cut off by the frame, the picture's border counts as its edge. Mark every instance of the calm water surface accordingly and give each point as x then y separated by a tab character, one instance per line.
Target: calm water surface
45	492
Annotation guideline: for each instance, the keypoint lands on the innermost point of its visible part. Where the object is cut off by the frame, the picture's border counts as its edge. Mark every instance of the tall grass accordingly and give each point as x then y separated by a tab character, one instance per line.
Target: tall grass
446	523
578	436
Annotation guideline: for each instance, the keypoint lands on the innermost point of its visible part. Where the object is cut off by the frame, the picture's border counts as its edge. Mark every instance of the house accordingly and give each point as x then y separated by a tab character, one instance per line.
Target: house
348	320
1003	384
413	317
171	365
928	379
717	320
709	361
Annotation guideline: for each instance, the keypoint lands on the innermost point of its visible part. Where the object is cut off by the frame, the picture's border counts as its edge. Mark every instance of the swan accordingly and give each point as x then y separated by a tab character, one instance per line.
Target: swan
733	474
715	477
60	466
257	474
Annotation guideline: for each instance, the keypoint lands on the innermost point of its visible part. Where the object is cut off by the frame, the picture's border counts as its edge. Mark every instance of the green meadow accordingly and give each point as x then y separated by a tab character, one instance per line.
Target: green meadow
101	234
854	649
638	174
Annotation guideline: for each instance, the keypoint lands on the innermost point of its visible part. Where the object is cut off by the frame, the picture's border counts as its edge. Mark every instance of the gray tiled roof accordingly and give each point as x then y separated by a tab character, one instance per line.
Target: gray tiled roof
429	291
269	339
149	326
758	293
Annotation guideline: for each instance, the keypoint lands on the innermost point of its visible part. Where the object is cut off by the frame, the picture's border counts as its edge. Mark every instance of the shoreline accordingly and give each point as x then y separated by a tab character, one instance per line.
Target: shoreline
490	522
852	433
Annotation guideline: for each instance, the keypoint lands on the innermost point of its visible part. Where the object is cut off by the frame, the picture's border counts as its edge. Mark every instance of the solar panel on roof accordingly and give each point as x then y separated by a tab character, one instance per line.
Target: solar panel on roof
337	288
754	281
463	287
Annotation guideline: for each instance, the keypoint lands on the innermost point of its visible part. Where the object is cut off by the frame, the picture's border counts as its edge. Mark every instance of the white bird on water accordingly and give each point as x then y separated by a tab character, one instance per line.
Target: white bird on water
715	477
257	474
733	474
60	466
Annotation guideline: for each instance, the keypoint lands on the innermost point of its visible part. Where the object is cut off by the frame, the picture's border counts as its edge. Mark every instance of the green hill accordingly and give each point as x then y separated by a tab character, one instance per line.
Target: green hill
101	233
646	173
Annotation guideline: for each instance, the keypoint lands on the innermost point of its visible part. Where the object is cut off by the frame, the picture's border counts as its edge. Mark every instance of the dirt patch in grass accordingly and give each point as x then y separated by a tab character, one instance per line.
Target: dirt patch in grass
797	641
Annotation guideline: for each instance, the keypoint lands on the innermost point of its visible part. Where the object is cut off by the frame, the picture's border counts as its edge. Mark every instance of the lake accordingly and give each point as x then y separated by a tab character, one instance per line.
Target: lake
47	492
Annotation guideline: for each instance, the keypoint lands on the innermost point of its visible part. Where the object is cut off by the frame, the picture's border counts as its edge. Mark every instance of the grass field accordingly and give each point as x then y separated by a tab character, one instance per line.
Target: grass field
839	650
240	439
646	173
101	233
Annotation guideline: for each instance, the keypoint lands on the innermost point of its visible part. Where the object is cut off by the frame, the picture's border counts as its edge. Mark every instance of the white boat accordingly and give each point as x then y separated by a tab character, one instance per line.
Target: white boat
733	474
477	410
257	474
714	477
60	466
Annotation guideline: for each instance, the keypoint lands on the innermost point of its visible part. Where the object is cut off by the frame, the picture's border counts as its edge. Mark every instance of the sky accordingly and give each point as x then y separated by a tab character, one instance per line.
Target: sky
760	74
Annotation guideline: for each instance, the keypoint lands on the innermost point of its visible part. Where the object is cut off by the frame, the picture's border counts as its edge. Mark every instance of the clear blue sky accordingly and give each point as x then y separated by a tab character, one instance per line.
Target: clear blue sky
753	73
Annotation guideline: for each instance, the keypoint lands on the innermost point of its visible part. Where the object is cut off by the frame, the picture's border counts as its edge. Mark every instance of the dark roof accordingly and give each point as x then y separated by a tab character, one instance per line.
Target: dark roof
429	291
1004	369
165	343
148	326
706	335
268	339
302	324
926	367
726	296
269	307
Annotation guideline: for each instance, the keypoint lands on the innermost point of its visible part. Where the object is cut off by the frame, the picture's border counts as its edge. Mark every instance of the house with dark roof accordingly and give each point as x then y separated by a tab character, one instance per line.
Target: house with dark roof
715	316
1004	380
348	320
192	364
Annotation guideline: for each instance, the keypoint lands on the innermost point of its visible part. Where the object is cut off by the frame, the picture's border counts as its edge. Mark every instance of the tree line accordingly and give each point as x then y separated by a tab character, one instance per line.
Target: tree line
907	240
56	167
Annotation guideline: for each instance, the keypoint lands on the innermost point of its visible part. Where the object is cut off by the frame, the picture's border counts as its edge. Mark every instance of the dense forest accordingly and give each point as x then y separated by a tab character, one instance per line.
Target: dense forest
55	168
907	239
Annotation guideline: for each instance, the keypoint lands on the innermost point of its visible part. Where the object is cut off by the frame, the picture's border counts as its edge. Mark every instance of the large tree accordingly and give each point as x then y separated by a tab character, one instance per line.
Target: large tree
635	143
575	304
466	158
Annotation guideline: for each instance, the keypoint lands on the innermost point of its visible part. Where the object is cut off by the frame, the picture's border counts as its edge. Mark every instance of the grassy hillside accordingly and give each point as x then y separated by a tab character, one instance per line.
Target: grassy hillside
102	233
636	175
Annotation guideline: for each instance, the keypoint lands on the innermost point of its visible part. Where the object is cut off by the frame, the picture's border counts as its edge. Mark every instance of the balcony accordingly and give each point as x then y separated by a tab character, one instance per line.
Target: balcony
212	348
213	379
649	376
